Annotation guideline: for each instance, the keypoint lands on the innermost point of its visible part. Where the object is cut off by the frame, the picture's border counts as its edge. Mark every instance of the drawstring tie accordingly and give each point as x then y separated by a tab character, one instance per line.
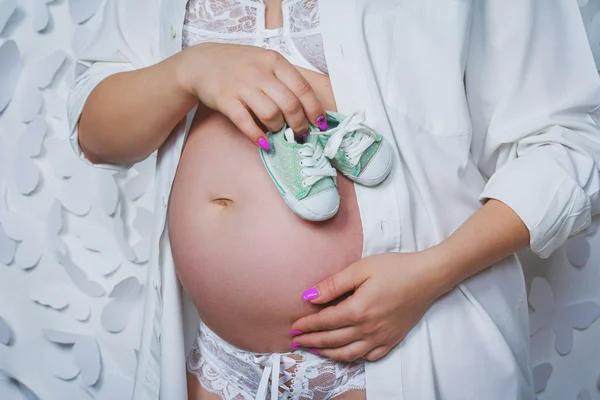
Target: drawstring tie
277	366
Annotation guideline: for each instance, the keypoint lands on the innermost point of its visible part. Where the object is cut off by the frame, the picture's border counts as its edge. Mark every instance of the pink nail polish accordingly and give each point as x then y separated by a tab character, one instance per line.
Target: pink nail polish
295	333
314	351
322	123
262	142
311	294
296	345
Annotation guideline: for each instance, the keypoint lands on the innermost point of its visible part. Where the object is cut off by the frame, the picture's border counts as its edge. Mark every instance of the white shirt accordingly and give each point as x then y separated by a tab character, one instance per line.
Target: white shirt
523	132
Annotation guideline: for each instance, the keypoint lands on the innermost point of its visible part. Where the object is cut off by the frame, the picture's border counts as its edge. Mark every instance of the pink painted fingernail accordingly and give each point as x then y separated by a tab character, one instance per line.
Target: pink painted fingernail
311	294
322	122
295	332
314	351
264	143
296	345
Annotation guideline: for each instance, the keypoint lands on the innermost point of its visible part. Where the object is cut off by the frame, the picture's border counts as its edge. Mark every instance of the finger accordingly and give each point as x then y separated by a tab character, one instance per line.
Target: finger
377	353
328	339
330	318
336	285
265	109
313	110
349	353
289	105
240	116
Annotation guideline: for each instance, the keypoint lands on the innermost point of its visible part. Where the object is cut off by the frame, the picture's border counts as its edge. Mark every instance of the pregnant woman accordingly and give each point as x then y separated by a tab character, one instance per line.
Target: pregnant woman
412	291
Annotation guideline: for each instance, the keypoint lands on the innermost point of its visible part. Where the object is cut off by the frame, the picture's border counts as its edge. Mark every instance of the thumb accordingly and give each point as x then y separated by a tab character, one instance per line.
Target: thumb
335	286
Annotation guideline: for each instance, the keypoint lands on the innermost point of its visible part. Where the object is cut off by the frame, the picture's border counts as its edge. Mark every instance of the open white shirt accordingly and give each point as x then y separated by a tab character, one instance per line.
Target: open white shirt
520	128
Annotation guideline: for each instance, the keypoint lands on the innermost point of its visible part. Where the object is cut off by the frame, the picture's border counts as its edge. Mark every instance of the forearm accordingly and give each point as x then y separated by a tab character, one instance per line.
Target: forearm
491	234
130	114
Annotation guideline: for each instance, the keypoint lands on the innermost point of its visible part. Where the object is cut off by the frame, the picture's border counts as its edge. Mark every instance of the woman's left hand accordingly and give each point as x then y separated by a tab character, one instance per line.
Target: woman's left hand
392	292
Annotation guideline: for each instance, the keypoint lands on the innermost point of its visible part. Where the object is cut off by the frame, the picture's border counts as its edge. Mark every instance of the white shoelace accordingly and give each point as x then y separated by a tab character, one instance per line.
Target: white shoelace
274	365
316	165
352	137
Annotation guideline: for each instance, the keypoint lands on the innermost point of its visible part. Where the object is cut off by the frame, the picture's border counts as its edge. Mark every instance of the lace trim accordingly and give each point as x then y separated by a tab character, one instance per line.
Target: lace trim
304	16
234	374
242	22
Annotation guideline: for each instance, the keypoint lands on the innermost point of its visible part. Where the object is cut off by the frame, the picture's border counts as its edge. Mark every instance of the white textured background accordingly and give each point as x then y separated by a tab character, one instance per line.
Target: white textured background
74	240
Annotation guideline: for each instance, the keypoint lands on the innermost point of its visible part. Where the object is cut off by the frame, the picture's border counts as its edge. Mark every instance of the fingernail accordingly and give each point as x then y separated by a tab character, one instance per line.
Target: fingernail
264	143
302	138
310	294
296	345
295	333
322	122
314	351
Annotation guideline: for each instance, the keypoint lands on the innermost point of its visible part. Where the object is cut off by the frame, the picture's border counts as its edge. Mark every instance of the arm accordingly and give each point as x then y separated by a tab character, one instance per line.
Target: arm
130	114
474	246
534	95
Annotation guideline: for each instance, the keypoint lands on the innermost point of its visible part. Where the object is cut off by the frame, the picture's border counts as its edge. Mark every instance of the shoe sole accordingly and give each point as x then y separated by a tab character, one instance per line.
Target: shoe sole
371	182
294	204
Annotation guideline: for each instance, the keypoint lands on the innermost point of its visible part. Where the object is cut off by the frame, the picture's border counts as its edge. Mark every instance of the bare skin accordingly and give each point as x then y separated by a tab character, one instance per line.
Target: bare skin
246	282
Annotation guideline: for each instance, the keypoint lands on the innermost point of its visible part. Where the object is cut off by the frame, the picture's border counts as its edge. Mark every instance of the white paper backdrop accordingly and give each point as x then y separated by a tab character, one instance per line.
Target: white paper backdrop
74	240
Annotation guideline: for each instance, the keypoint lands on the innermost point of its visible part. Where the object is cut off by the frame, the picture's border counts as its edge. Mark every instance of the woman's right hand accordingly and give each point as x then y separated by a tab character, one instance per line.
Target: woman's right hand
243	82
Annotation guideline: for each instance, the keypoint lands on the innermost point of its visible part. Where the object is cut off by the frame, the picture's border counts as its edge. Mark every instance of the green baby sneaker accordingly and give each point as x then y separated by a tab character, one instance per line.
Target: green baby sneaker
302	174
355	149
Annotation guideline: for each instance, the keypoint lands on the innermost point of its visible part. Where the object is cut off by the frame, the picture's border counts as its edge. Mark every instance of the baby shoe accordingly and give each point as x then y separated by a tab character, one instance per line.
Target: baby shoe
356	150
302	174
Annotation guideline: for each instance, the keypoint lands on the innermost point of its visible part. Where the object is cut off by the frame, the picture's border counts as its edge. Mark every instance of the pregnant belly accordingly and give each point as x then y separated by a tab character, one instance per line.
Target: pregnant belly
242	255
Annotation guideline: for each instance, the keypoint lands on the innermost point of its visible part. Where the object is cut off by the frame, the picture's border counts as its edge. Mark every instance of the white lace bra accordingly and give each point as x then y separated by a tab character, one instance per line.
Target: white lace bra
243	22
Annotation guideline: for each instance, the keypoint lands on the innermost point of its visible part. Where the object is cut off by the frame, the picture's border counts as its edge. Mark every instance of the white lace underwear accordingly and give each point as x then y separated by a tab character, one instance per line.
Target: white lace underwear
235	374
243	22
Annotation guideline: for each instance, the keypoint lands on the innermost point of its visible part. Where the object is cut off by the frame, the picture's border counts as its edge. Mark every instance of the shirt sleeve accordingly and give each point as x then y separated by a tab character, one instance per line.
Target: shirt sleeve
116	47
534	95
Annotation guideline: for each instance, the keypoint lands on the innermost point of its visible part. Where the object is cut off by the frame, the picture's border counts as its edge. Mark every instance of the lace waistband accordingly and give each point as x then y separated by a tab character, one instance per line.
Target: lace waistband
236	374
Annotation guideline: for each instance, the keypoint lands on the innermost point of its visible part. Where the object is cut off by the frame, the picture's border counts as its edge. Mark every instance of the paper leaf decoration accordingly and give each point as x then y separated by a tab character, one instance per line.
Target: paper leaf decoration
119	232
135	186
56	105
85	352
11	67
578	251
106	251
108	192
13	389
62	298
29	253
26	174
39	76
79	278
584	395
143	224
54	225
62	157
77	194
7	9
81	38
62	365
82	10
562	320
31	140
5	332
541	375
7	248
40	15
115	387
124	295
